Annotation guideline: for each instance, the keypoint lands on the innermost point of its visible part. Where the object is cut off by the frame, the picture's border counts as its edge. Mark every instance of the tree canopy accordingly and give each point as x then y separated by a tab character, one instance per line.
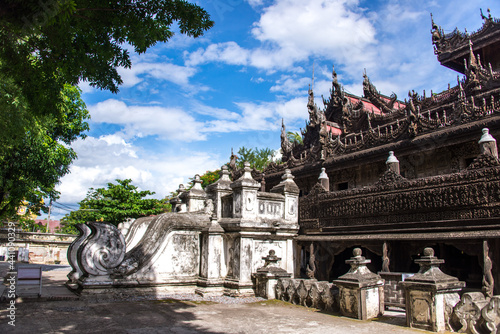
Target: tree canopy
47	47
295	137
114	204
258	158
46	44
33	160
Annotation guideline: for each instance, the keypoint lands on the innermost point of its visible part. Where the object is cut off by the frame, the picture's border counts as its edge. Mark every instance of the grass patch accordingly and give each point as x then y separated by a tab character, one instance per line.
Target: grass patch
166	301
274	302
199	302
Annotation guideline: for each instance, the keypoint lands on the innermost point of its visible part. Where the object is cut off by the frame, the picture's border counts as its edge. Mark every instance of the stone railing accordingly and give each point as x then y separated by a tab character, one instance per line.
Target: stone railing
476	314
393	294
309	293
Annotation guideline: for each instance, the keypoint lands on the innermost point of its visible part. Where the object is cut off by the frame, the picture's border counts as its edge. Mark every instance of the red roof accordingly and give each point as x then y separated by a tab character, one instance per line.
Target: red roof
53	225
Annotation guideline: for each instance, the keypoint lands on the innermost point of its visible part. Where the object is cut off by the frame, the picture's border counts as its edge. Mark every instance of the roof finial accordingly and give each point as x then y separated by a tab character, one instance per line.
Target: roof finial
482	15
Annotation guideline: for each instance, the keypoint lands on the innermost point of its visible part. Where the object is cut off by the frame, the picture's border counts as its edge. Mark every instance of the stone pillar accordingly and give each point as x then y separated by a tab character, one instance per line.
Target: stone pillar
324	180
219	189
361	292
196	196
212	260
245	195
392	163
246	259
488	144
289	189
426	294
176	202
240	283
267	277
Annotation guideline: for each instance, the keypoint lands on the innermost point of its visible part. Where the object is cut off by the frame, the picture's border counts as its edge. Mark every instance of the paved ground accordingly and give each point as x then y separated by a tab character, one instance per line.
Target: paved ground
59	311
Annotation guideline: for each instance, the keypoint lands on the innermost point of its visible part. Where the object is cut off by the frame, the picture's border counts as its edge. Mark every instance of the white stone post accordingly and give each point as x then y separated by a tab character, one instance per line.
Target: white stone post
245	195
324	180
212	260
361	292
195	197
426	294
289	189
219	189
488	144
392	163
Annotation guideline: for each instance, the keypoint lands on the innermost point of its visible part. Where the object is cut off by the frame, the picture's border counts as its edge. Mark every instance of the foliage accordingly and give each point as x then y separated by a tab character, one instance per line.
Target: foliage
33	160
209	177
27	224
47	47
114	204
258	158
294	137
67	228
45	44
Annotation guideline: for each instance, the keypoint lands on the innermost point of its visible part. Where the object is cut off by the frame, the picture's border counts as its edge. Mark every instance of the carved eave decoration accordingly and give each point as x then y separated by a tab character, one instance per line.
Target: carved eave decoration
484	161
452	48
389	178
317	189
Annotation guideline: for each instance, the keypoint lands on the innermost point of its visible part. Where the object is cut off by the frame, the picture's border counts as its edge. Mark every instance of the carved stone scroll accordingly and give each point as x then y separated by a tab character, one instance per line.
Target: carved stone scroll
488	281
491	314
385	258
311	267
468	311
103	251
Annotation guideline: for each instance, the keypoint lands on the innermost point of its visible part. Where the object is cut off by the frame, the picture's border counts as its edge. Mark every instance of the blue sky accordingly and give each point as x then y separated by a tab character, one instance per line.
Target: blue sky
184	104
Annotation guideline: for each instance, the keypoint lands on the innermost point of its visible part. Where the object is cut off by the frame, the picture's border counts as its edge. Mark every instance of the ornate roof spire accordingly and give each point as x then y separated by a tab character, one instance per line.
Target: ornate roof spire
472	58
334	74
484	17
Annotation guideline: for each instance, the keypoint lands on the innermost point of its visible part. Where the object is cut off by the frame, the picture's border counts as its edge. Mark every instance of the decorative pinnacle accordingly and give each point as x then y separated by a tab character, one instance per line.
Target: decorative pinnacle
392	158
224	173
288	175
323	174
486	137
271	259
197	182
428	252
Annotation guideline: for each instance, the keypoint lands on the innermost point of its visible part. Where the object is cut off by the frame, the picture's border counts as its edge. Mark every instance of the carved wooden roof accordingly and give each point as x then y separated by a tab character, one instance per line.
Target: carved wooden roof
363	123
452	48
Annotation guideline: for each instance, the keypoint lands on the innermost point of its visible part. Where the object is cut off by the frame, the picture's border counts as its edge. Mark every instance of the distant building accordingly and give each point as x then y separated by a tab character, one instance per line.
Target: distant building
54	225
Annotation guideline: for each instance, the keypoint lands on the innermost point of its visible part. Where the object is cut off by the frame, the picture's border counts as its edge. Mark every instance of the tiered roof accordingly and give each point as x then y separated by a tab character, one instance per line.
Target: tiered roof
452	48
350	124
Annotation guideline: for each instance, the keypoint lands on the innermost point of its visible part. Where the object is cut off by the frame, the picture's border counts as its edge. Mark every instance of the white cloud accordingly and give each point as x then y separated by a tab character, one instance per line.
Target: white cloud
262	116
291	85
291	31
140	121
177	125
105	159
218	113
229	52
179	75
332	29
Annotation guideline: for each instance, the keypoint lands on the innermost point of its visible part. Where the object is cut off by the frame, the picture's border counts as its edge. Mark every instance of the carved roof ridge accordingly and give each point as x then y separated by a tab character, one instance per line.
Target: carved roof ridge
316	190
484	161
443	40
390	177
